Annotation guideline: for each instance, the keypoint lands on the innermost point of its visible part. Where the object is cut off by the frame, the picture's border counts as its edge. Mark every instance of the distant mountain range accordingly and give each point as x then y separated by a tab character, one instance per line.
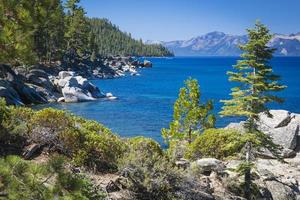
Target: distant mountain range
221	44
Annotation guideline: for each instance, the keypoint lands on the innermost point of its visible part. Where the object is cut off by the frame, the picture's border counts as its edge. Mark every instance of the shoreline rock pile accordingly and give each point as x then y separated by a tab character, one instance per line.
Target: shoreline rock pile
76	88
40	84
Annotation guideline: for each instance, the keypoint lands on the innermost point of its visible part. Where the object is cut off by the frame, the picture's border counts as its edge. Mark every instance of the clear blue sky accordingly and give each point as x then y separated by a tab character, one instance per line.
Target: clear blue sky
182	19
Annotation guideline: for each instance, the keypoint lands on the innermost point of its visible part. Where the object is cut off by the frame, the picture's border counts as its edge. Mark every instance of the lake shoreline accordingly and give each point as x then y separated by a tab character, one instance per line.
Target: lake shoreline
43	83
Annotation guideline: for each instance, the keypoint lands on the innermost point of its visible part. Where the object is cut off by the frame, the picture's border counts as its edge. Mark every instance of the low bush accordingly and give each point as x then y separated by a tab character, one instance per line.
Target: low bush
21	179
144	145
217	143
87	142
94	146
177	149
151	175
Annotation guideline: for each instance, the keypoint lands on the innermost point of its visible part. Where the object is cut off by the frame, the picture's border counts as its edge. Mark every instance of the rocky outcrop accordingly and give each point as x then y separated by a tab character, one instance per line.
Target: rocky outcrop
207	165
282	126
76	88
275	179
38	83
16	90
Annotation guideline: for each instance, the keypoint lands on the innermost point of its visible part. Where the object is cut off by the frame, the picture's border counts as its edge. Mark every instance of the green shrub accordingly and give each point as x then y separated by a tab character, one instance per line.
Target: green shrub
217	143
21	179
87	142
142	144
149	173
177	149
13	128
94	145
3	110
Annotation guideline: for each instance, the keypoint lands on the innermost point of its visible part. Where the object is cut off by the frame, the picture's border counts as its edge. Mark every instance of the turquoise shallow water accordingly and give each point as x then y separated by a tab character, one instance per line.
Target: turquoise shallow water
145	102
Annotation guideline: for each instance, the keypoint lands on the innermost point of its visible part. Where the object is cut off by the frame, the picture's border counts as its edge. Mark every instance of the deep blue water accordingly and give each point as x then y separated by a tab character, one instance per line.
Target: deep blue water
145	102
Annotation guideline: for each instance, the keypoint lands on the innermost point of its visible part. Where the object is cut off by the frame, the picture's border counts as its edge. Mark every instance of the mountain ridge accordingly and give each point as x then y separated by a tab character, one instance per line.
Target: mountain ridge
218	43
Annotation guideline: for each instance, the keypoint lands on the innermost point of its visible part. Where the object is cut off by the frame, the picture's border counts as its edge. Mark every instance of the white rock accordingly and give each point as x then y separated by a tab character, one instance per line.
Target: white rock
61	99
279	118
74	94
64	74
109	94
285	136
112	98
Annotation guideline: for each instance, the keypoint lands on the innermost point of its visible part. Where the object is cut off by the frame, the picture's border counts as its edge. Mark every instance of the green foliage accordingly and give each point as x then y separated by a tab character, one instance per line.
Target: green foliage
141	144
111	41
217	143
11	127
190	116
177	149
88	143
94	146
255	77
17	175
78	28
43	181
150	175
49	26
3	110
44	31
256	84
16	32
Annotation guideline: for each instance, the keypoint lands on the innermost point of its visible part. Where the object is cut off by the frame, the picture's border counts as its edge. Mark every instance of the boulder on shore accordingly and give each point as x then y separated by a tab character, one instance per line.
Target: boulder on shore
281	125
147	63
76	88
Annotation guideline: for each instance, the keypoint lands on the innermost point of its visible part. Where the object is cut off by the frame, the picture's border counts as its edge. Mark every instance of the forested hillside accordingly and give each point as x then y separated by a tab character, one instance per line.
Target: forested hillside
112	41
50	30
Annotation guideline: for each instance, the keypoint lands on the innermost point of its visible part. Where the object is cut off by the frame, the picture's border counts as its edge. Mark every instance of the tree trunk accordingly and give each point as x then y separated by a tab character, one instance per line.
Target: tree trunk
190	135
248	172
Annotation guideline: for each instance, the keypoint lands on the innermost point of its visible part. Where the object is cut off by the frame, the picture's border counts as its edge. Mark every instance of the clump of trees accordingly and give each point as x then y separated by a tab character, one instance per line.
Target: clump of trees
45	31
112	41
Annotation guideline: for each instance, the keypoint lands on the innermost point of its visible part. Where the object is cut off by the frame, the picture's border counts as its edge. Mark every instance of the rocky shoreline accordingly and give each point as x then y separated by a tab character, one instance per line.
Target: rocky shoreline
275	179
61	82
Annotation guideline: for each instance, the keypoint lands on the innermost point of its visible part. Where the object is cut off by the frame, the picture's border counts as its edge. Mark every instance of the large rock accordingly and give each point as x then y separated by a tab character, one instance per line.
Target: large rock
76	88
280	191
64	74
147	63
281	125
38	73
277	118
209	165
9	94
75	94
285	136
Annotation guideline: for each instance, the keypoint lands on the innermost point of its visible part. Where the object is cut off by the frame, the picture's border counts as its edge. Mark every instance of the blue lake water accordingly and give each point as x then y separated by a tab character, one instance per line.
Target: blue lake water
145	102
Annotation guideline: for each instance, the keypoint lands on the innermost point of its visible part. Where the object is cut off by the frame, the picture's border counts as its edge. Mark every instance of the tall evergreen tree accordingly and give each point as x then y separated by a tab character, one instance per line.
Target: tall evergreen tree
256	82
49	29
16	32
190	116
77	28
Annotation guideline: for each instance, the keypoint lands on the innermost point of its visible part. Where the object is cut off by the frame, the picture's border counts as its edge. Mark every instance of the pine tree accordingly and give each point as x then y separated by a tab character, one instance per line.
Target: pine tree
190	116
16	32
256	82
77	28
49	29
